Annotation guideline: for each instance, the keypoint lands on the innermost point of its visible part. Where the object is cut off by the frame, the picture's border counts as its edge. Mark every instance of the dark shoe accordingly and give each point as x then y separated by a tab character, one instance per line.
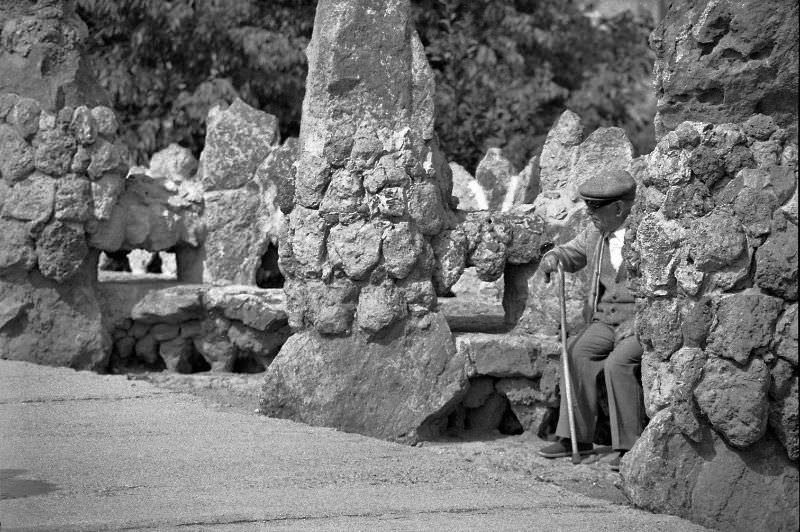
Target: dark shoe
614	464
563	447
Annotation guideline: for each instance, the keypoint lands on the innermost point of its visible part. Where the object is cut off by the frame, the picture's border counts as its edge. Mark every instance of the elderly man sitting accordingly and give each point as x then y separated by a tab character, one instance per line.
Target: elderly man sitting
608	344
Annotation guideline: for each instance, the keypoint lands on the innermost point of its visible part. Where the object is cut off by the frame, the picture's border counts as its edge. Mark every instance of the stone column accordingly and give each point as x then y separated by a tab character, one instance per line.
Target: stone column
714	251
57	156
371	353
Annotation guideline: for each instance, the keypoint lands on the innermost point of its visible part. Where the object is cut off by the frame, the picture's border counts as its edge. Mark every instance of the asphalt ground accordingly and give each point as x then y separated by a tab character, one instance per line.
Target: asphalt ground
81	451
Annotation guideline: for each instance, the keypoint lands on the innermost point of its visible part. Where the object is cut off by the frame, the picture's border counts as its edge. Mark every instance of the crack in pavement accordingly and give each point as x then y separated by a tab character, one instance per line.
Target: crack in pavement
377	515
76	399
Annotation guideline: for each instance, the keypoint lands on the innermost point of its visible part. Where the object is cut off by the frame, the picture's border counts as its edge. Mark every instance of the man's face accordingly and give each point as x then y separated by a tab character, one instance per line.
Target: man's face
607	217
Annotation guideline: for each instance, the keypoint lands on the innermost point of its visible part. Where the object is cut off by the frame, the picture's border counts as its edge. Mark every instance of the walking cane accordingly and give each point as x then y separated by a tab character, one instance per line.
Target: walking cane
576	457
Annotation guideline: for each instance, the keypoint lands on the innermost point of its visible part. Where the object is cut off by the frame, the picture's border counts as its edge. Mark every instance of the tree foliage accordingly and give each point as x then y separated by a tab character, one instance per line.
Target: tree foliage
166	62
505	69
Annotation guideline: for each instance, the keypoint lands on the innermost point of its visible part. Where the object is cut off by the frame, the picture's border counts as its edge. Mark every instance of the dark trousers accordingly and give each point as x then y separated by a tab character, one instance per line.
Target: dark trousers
592	352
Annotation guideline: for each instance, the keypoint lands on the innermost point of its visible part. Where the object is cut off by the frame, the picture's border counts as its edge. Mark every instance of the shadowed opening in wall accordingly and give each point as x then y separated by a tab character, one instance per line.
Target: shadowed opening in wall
268	274
136	264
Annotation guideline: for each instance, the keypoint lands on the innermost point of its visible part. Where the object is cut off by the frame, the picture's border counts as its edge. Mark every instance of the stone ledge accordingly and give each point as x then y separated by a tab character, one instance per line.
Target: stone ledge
506	355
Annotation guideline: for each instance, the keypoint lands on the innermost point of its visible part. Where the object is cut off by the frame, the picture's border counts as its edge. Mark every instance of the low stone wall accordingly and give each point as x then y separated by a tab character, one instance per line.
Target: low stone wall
189	328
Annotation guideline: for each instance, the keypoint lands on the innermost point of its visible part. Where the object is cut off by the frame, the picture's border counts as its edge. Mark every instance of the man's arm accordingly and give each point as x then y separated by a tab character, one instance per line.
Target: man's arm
572	255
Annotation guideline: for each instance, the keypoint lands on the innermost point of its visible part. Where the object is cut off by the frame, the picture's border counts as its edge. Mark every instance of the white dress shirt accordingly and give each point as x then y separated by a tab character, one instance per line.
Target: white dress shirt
615	242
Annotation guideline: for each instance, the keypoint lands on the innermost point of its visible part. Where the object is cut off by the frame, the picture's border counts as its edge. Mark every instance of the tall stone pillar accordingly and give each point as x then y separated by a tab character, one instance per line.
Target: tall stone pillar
714	251
371	353
59	171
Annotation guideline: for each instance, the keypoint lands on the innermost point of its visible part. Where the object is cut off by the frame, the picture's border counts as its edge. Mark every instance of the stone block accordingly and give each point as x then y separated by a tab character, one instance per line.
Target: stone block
139	329
658	324
783	419
172	305
425	207
24	116
312	179
450	250
709	482
16	247
402	245
786	335
657	242
83	126
355	248
379	306
215	347
105	120
519	391
734	399
255	307
70	314
173	162
776	263
73	199
238	138
239	227
382	389
53	151
343	200
480	388
307	239
744	324
105	192
61	250
500	355
716	241
32	199
16	155
107	159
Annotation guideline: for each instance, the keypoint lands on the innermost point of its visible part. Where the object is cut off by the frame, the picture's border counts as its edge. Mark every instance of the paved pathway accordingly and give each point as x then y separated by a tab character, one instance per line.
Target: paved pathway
80	451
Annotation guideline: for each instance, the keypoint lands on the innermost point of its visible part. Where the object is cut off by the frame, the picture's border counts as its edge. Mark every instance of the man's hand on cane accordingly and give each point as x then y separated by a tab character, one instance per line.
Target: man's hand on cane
549	264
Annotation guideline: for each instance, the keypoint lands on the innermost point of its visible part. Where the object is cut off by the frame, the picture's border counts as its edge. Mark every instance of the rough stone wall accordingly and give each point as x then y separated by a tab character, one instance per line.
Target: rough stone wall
715	274
64	194
57	156
722	61
189	328
715	270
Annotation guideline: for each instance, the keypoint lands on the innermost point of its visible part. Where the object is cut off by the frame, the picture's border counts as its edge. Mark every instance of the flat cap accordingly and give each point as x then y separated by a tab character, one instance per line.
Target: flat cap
608	186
